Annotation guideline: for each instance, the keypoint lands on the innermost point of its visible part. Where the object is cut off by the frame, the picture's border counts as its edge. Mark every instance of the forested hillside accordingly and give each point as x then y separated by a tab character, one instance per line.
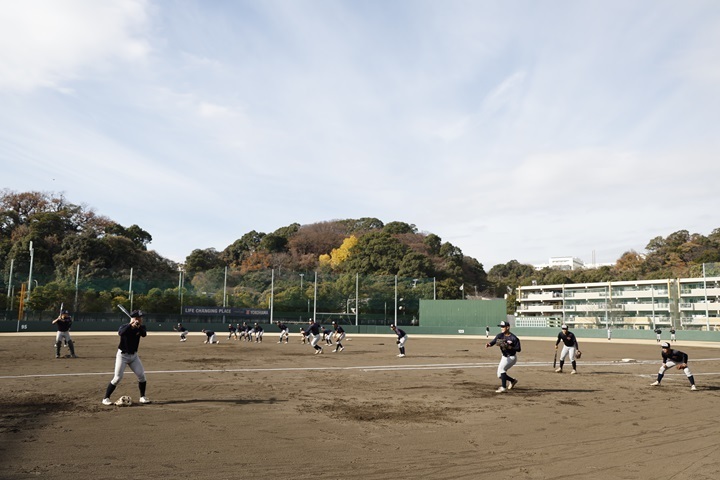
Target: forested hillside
72	244
84	259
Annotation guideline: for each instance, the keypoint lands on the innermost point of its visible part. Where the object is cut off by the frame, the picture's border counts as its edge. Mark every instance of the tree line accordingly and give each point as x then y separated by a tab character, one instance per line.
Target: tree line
84	259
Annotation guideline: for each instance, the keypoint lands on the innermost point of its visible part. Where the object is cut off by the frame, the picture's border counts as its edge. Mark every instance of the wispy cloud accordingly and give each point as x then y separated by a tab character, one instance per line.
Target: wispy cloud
514	130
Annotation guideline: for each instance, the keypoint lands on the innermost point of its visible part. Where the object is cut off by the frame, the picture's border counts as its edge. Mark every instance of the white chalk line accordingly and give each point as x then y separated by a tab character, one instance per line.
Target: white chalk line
367	368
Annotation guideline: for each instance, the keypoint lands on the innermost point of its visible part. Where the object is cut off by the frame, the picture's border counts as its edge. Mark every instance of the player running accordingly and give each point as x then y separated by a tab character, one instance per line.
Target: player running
312	332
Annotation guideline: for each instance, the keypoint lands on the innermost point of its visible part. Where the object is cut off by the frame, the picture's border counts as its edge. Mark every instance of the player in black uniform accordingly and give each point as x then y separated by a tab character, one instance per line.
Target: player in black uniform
182	330
312	332
509	347
339	337
284	333
326	335
232	330
211	337
127	356
63	323
570	348
671	358
402	338
258	332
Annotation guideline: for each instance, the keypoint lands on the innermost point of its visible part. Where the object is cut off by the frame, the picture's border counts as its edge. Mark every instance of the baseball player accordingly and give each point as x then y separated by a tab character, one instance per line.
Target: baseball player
244	331
312	332
509	347
339	337
63	323
211	338
609	333
127	356
182	330
672	334
570	348
303	336
658	334
258	332
487	331
327	335
232	330
674	358
401	340
284	333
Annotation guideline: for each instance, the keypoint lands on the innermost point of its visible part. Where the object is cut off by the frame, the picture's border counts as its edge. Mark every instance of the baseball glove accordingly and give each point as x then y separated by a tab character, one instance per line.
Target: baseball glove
124	401
682	366
578	354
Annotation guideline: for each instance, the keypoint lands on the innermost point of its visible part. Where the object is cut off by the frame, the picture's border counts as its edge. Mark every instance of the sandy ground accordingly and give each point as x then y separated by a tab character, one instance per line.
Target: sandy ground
241	410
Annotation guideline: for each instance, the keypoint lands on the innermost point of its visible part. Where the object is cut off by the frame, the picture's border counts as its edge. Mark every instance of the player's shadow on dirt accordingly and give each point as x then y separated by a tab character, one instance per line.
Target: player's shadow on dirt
537	391
236	401
709	387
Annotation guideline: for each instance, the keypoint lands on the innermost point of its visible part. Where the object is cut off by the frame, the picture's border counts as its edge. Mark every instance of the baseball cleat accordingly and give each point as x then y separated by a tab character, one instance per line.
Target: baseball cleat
501	390
512	384
342	348
655	384
573	372
106	401
402	355
558	370
145	400
693	387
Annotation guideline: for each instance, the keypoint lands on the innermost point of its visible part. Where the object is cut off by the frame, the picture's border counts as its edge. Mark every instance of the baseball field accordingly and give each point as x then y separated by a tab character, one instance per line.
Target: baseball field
241	410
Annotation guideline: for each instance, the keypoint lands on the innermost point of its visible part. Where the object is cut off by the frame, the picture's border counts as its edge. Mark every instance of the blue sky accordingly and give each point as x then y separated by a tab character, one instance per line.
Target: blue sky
512	129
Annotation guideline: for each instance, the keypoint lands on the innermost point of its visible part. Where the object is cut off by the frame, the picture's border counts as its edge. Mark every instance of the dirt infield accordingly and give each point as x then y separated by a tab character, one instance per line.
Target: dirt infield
241	410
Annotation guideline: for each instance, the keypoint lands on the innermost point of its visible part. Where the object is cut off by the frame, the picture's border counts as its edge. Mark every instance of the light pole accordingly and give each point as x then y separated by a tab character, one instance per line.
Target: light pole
301	280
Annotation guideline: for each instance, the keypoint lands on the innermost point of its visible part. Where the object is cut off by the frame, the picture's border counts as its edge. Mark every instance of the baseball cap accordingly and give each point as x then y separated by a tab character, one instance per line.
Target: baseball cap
665	345
65	312
504	324
136	314
564	327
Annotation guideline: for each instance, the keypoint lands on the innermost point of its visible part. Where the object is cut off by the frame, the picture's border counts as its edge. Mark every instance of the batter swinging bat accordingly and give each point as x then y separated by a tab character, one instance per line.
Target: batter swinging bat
555	360
124	310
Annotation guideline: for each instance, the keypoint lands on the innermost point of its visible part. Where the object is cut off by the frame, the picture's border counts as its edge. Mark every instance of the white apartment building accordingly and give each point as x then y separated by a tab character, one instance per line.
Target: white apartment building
683	303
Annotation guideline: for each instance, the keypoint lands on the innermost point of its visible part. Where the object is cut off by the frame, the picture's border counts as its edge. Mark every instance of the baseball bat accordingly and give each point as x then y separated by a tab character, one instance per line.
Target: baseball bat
124	310
555	360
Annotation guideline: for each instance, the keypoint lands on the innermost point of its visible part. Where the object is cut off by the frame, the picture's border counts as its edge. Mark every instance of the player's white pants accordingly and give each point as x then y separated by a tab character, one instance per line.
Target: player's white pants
60	335
314	339
669	364
123	360
259	336
284	334
340	338
402	341
212	339
567	351
506	363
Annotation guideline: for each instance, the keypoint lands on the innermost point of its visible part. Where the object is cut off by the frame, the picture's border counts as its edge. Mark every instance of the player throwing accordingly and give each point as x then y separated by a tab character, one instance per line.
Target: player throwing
509	347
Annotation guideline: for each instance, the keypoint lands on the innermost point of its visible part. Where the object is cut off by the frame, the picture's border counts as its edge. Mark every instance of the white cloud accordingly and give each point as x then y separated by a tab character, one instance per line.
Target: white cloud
47	43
